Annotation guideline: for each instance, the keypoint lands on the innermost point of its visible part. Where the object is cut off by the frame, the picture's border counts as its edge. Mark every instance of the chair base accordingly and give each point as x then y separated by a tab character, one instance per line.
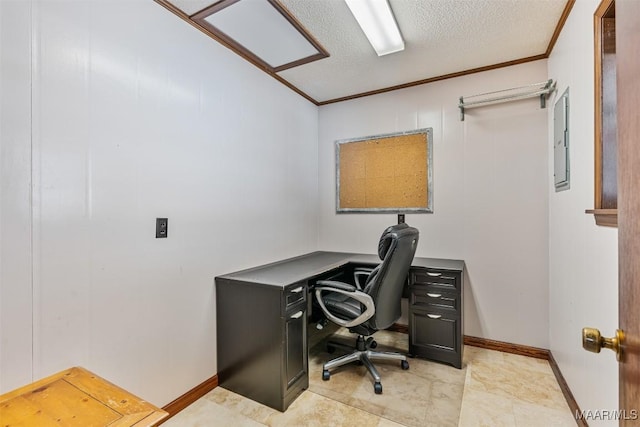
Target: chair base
364	355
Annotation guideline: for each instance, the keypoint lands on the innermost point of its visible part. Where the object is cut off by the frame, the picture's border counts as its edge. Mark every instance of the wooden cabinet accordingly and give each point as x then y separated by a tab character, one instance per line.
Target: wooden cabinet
262	350
436	314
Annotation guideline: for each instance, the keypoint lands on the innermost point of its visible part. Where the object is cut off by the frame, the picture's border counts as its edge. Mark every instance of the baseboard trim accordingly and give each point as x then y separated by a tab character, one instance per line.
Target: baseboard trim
568	396
505	347
397	327
189	397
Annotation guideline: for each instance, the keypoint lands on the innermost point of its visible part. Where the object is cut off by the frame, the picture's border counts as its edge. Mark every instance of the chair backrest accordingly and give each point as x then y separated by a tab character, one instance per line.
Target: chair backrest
384	242
386	282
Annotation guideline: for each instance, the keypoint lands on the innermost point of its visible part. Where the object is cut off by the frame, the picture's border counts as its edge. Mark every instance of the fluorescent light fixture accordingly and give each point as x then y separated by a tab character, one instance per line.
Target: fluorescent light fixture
376	20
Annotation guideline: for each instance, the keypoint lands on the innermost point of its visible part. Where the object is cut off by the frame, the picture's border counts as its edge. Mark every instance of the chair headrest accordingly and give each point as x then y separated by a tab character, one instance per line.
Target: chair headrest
385	240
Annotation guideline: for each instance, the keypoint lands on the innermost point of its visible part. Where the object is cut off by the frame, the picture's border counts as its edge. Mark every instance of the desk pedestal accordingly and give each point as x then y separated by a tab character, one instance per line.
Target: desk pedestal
436	315
262	340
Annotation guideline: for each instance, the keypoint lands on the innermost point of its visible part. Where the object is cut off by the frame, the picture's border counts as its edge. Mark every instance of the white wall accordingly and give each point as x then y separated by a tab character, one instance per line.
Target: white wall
583	257
490	194
15	197
137	115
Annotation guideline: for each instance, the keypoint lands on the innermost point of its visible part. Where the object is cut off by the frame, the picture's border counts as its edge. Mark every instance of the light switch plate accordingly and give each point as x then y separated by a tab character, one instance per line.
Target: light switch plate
162	228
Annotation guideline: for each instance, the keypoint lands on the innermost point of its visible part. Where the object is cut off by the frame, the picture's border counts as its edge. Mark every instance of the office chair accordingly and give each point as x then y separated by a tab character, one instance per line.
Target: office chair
375	307
360	274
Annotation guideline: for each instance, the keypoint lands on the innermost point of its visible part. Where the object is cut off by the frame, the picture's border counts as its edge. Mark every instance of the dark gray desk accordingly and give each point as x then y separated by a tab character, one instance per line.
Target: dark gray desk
262	320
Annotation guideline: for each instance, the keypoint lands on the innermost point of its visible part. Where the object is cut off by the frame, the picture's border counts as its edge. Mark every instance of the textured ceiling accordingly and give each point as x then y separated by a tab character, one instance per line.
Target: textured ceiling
441	37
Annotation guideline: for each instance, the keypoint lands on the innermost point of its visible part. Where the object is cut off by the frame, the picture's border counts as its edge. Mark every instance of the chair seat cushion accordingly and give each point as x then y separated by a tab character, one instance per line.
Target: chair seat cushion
340	305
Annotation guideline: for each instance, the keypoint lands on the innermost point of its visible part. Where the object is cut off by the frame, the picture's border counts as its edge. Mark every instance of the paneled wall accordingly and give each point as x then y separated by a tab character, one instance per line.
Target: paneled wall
490	193
16	292
583	257
137	115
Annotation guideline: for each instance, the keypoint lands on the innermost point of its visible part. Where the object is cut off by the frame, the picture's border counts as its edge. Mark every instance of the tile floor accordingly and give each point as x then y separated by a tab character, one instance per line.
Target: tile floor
493	389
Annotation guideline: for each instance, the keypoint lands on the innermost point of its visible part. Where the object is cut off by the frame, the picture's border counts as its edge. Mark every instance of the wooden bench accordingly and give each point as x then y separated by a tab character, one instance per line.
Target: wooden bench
76	397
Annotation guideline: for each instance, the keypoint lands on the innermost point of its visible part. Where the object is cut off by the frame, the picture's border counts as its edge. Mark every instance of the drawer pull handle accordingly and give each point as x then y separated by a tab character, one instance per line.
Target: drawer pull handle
434	274
434	295
296	290
297	315
434	316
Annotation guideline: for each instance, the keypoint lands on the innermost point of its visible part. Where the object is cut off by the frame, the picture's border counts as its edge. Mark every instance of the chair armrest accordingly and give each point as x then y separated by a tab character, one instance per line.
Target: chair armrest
336	285
350	291
360	272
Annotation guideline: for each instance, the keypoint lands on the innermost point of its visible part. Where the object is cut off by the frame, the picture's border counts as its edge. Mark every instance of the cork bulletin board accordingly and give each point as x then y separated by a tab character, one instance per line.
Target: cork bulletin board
389	173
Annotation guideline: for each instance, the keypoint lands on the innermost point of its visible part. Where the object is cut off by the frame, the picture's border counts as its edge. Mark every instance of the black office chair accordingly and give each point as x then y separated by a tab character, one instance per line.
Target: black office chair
375	307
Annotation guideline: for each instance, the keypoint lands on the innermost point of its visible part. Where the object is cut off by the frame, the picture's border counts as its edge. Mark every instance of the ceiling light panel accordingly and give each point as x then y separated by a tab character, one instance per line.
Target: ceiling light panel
261	29
378	24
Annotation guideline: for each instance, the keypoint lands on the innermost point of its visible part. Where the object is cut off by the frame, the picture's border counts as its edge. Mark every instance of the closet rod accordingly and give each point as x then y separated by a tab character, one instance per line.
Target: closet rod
542	89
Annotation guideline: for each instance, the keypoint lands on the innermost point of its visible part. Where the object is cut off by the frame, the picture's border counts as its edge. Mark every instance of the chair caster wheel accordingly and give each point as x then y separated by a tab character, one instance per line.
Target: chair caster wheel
377	387
373	344
325	375
404	364
331	349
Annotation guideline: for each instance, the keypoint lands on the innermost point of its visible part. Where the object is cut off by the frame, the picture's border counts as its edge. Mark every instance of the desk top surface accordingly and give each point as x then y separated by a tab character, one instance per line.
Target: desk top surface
304	267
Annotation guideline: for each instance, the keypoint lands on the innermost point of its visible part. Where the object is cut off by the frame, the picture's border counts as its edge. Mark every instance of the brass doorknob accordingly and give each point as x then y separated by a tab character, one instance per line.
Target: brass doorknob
593	341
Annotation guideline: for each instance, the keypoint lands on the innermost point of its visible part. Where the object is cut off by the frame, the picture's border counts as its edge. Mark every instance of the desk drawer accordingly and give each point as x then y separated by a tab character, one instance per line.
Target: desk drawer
436	335
426	297
440	278
294	295
434	329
